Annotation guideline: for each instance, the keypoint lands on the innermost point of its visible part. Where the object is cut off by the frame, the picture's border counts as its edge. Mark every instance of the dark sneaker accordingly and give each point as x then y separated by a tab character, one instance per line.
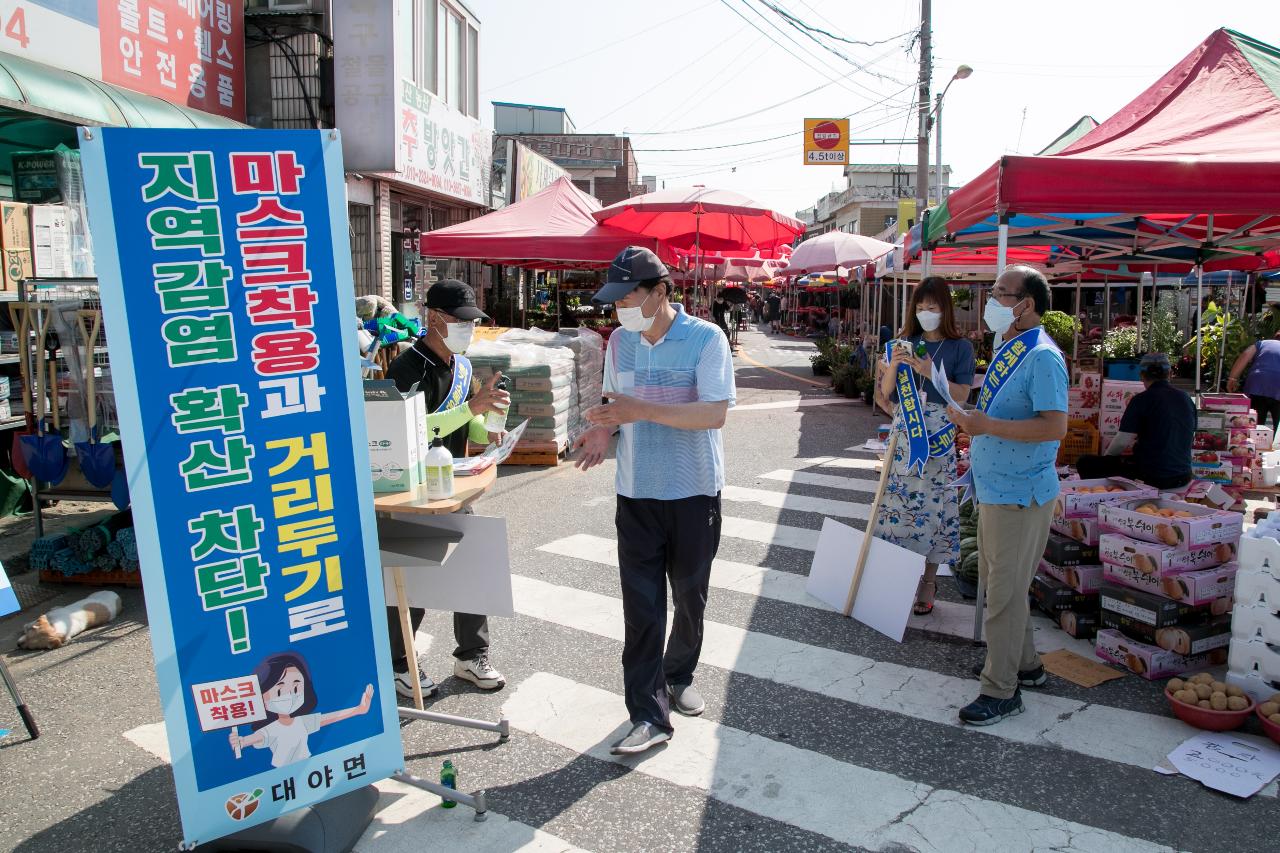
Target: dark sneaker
988	710
641	737
404	684
685	700
1026	677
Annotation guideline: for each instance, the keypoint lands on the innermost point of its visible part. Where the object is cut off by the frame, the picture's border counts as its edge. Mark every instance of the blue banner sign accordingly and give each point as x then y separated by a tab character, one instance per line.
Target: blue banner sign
226	284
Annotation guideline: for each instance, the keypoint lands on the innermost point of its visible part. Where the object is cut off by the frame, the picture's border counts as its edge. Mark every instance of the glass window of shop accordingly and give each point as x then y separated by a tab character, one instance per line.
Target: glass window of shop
453	55
425	39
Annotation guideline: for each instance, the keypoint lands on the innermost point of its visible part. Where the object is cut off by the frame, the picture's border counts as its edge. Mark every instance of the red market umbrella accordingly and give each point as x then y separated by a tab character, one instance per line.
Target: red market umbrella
702	218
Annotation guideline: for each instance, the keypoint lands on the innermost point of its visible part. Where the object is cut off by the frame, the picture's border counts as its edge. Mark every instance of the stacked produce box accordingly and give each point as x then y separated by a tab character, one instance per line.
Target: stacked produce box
1254	660
541	377
1084	399
1168	579
1229	446
1116	395
1069	579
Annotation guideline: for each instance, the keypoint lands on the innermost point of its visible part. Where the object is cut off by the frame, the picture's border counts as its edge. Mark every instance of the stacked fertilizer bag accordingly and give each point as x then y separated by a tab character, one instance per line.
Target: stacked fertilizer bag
587	382
540	381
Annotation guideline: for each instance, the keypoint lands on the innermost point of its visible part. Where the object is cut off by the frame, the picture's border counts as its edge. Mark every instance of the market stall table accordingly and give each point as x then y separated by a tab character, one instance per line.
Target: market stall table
467	490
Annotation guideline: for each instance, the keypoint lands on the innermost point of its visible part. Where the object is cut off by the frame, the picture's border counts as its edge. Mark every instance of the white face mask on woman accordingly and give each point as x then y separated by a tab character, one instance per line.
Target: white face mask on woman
633	319
929	320
285	704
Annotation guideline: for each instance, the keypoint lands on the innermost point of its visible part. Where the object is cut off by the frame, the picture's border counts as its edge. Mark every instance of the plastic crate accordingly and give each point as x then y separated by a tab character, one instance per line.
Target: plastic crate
1081	439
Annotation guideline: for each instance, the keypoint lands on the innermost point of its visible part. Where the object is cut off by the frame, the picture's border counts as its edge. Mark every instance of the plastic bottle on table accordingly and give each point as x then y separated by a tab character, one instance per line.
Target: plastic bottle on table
439	470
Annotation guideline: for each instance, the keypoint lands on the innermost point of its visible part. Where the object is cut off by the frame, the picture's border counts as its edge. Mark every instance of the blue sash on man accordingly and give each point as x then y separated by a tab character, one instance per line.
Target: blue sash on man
922	445
1004	364
460	386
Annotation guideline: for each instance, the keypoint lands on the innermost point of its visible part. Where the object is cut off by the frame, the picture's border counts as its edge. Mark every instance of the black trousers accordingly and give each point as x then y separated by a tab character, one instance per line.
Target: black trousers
1097	467
660	542
470	631
1265	407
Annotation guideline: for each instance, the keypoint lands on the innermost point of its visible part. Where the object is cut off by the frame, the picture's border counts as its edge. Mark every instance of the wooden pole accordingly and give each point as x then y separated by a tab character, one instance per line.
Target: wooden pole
861	564
406	629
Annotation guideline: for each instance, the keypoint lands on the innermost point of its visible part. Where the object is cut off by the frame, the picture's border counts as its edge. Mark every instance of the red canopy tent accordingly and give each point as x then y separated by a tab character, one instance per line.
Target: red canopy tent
552	229
1192	162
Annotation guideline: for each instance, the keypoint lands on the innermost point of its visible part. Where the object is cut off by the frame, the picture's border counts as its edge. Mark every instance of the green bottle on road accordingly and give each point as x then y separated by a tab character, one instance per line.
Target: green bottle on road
449	778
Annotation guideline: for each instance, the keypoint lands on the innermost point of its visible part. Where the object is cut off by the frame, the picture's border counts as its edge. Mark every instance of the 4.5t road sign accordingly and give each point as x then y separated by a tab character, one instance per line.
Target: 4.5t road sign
826	141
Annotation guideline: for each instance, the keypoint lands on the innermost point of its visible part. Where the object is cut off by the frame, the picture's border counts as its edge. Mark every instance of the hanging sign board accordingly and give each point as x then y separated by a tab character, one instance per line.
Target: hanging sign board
225	272
826	142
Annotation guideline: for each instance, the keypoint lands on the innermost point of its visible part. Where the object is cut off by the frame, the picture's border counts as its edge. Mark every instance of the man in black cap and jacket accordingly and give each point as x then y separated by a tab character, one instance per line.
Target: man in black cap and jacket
430	364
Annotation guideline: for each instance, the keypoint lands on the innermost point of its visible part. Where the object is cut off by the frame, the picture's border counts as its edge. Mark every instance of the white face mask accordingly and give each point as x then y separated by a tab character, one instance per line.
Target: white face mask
997	317
285	704
929	320
633	319
459	336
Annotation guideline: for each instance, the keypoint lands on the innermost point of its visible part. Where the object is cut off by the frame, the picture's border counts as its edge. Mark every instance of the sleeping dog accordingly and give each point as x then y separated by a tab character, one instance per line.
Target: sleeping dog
61	624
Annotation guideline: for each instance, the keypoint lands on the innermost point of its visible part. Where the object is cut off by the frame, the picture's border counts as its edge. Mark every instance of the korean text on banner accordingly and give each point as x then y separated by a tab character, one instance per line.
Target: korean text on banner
241	415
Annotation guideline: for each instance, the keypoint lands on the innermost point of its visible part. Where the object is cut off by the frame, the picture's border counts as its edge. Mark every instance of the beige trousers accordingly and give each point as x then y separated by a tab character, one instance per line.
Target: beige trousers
1011	541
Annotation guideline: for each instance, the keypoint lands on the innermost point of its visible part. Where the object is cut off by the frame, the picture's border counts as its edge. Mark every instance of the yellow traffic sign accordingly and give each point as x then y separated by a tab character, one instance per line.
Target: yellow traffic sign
826	142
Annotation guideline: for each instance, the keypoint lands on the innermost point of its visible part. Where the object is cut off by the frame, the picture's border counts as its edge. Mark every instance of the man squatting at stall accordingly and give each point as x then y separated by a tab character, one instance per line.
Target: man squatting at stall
1020	419
669	379
429	363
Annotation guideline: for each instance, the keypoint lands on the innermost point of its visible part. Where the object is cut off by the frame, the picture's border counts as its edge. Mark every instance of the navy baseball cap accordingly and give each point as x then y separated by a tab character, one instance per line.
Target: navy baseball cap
1155	364
633	265
455	298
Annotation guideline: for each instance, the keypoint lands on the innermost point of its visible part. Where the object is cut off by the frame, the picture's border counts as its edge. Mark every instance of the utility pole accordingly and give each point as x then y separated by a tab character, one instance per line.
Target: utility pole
922	141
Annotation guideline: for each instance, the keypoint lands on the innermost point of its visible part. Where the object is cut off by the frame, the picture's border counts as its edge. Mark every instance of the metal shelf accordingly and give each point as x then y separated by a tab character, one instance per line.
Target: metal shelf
11	423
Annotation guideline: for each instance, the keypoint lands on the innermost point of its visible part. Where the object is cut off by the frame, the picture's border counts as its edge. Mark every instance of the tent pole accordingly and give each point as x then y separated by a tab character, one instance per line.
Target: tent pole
1138	343
1222	350
1106	303
1199	320
1075	343
1002	245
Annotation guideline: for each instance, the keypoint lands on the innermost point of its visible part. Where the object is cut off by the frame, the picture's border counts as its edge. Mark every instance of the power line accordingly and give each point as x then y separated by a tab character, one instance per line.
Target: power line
611	44
808	30
727	71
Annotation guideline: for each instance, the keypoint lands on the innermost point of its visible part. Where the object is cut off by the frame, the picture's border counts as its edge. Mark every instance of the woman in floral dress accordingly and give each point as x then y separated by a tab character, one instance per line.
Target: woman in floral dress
921	513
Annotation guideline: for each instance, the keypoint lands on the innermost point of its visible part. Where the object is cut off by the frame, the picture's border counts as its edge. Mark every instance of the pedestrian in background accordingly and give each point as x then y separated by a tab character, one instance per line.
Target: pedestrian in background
669	381
1261	360
1020	419
921	511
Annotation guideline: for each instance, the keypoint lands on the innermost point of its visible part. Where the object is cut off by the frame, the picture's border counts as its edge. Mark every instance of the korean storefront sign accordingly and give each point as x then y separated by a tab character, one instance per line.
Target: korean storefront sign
187	52
224	260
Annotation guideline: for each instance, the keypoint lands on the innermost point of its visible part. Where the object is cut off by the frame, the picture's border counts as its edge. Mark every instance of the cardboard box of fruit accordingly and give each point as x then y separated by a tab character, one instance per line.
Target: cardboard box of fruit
1149	661
1052	596
1086	579
1079	624
1152	559
1065	551
1192	637
1229	403
1211	587
1173	523
1150	608
1080	529
1080	498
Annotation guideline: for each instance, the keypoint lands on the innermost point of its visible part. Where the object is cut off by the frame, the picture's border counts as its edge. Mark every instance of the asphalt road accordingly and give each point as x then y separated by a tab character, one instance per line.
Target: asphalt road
819	734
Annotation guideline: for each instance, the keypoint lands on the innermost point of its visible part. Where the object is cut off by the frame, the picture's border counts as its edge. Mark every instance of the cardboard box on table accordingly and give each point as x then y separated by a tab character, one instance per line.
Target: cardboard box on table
392	418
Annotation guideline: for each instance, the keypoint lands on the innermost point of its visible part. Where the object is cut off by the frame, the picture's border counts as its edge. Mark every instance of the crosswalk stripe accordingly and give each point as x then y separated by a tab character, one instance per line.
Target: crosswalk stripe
829	481
856	463
876	809
769	533
794	404
1138	739
951	618
799	503
407	814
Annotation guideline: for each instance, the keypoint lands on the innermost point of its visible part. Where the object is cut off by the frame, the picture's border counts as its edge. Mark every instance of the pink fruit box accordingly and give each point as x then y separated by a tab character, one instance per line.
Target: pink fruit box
1205	586
1080	529
1085	579
1073	503
1198	526
1151	662
1152	559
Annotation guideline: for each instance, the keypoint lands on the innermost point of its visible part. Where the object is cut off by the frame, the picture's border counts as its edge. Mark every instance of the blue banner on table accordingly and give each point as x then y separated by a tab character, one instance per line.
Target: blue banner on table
225	269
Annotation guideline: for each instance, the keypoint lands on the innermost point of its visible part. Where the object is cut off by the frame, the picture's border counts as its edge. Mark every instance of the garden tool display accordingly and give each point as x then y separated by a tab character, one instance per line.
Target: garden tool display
44	451
97	457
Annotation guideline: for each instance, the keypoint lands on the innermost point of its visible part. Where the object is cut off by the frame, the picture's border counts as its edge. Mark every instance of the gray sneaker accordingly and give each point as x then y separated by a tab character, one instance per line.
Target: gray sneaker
641	737
404	685
685	699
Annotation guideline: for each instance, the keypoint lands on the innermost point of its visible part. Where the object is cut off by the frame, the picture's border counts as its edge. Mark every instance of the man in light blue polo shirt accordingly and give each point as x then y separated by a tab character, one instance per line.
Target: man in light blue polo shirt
1020	419
669	382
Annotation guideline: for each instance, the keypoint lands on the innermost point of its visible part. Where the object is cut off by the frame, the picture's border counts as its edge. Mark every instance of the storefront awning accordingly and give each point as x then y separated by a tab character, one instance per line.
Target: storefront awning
33	87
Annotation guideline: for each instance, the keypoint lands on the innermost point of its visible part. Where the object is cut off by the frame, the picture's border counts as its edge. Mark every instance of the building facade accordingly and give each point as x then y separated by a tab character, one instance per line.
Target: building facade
401	81
871	201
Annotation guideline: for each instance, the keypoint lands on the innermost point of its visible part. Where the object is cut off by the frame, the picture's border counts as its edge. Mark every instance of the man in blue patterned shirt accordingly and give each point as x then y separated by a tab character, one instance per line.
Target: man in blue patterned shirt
669	382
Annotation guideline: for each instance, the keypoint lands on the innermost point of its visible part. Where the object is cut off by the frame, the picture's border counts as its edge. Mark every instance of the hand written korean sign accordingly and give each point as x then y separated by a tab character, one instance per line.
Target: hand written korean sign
441	149
227	289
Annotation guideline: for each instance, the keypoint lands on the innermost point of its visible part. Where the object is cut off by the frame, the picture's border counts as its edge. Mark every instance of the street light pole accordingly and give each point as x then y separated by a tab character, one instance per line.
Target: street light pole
961	73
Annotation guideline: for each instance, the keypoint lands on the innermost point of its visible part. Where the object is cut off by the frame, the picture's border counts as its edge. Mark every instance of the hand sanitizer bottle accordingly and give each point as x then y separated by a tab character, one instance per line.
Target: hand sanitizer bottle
439	470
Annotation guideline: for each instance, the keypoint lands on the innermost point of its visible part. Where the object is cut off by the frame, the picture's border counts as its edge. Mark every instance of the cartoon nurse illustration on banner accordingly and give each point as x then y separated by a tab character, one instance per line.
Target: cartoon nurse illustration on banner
291	718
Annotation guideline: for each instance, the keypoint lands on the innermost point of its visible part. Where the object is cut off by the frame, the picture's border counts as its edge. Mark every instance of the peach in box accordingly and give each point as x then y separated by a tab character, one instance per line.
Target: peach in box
1080	498
1174	523
1206	586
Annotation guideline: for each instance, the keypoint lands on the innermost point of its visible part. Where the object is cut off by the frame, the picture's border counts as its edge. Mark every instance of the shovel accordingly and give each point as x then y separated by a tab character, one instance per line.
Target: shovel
45	454
20	313
97	458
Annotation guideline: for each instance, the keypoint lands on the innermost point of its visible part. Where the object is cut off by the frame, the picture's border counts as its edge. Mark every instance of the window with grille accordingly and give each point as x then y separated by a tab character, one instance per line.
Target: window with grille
360	222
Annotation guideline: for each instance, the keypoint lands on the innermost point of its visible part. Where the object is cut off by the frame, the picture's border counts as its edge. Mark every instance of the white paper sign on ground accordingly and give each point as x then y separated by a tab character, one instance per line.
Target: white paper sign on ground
888	587
456	562
1237	764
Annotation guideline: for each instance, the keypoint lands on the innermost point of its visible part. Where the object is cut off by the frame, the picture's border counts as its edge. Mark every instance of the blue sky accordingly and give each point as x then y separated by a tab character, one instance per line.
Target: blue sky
682	64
